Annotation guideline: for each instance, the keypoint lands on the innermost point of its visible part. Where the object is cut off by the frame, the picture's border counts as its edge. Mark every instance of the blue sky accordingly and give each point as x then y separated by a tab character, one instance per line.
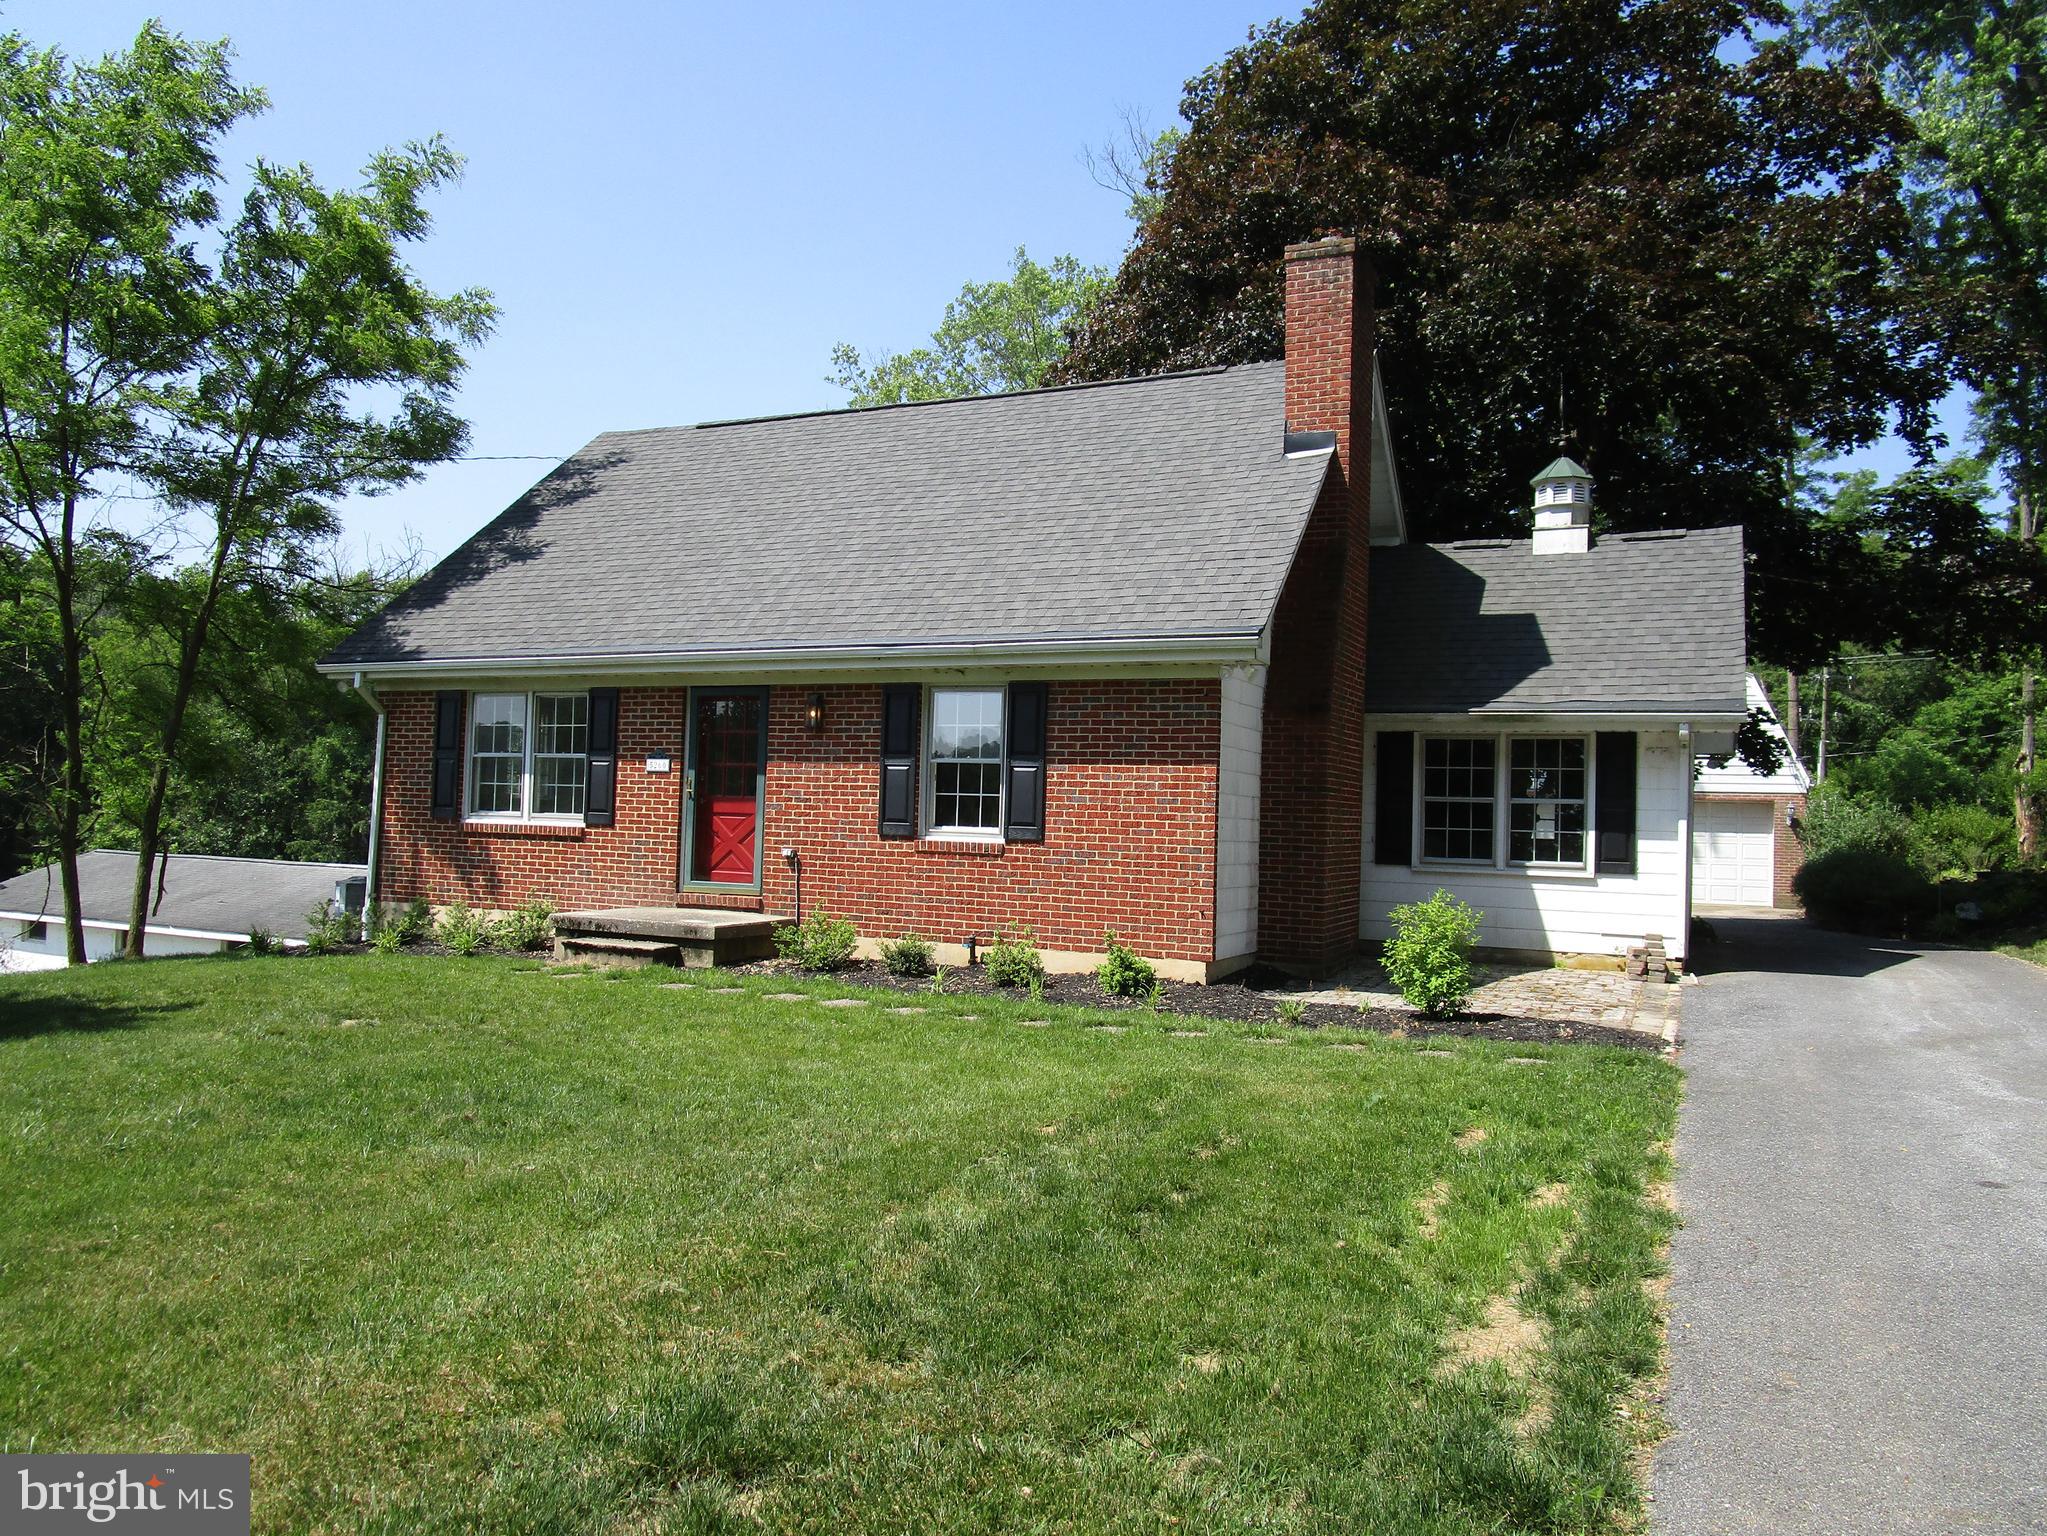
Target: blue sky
681	207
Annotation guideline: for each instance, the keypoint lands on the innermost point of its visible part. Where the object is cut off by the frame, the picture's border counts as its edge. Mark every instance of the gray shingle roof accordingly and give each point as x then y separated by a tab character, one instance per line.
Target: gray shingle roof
1160	507
1640	623
205	894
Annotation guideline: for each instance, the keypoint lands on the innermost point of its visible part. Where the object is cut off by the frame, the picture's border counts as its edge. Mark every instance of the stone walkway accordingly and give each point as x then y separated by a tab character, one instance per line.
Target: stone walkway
1552	993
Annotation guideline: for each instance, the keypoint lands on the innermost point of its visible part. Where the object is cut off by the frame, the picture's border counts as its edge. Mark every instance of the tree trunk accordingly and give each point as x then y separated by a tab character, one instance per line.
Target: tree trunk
1791	717
71	794
149	835
1819	773
2025	802
2025	797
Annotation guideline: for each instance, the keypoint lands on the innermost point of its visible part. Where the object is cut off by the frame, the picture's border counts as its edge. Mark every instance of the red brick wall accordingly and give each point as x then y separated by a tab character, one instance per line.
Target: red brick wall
1129	841
1312	775
1790	851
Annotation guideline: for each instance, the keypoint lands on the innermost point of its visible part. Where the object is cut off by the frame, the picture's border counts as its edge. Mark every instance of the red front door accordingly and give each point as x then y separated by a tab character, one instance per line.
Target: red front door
725	840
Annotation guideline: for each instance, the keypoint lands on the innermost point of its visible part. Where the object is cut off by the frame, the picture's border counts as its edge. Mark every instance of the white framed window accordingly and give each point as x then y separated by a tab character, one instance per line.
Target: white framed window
1459	778
561	753
1546	783
1532	815
529	755
963	763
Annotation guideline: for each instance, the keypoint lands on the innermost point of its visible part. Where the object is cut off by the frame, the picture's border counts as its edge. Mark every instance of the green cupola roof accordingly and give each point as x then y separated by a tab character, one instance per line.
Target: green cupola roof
1563	469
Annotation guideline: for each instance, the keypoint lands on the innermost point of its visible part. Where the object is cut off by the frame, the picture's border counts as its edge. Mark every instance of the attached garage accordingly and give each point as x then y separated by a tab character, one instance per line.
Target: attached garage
1734	852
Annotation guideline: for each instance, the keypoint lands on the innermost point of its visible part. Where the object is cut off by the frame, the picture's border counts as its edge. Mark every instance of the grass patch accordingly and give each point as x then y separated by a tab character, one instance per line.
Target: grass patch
2035	951
476	1245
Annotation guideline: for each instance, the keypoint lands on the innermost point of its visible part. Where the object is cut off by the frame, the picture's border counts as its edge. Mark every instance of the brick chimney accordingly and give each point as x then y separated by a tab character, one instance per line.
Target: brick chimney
1311	801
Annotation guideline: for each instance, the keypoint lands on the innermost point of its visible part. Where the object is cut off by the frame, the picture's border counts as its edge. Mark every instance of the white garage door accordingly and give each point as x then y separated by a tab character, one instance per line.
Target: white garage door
1732	849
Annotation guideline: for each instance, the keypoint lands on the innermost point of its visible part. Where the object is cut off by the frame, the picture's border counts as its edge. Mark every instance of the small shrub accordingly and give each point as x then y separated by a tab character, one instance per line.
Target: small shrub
1429	956
907	956
1013	960
1865	890
1125	973
460	929
820	942
530	927
1290	1010
328	927
263	942
409	924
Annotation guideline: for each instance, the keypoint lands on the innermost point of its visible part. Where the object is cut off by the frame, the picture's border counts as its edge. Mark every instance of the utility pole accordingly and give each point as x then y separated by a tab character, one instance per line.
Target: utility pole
1819	773
1791	716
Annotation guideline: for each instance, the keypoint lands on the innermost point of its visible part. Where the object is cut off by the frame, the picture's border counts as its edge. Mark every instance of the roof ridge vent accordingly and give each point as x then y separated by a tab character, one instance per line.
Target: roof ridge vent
1645	535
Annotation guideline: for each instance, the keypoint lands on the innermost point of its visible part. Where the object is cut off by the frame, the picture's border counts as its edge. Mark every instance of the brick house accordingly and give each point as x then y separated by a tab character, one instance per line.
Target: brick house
1086	659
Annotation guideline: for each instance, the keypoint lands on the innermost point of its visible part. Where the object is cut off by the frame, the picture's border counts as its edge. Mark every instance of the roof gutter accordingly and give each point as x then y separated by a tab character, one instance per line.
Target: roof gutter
1219	649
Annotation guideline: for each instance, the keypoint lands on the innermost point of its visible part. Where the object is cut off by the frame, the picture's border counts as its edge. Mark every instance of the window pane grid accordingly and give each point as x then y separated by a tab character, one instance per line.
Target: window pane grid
561	746
510	764
966	760
1546	803
497	740
1458	777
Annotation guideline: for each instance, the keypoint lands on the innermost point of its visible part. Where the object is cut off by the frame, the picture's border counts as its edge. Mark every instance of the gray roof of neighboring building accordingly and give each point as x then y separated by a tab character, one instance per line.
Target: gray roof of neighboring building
201	893
1641	623
1162	507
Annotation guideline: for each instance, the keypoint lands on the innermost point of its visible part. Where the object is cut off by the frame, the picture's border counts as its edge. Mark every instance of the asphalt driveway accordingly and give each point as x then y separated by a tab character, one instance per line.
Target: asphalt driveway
1859	1313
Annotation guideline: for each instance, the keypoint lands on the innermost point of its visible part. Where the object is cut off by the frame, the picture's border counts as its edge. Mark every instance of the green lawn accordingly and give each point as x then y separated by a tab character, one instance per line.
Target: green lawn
464	1245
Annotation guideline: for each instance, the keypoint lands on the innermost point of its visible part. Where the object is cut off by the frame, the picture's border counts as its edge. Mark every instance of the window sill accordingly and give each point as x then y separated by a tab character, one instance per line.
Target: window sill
961	843
1519	871
491	826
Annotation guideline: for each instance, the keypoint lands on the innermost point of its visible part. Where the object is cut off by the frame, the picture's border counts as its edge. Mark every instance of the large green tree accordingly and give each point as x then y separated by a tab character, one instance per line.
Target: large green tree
1972	77
995	337
1655	209
309	313
106	170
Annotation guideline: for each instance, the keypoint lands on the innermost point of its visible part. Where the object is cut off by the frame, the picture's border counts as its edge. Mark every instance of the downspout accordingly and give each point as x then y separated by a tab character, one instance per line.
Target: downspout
1691	766
369	894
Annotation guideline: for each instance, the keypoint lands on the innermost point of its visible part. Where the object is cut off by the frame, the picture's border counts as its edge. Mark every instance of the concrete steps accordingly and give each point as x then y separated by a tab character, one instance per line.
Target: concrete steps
692	937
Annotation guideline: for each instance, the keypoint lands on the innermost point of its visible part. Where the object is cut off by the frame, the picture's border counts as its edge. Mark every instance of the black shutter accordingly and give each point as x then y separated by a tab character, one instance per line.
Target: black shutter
448	754
1393	820
600	798
899	710
1025	768
1614	815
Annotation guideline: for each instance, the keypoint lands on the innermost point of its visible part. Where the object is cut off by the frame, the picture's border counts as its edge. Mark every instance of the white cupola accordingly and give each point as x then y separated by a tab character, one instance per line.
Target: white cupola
1563	509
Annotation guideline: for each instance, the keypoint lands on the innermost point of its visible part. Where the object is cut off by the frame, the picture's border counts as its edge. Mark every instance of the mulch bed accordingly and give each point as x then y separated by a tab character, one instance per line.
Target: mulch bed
1232	998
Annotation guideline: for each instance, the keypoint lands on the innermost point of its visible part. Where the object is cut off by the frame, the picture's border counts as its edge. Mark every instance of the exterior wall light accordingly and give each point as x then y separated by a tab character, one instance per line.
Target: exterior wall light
815	714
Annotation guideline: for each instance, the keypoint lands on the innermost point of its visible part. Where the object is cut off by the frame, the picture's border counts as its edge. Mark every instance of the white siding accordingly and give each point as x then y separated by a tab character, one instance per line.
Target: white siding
1734	777
1568	914
18	952
1236	818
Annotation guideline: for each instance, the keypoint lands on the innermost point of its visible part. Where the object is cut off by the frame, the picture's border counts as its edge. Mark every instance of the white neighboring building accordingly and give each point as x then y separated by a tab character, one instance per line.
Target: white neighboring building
1745	847
206	905
1533	711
